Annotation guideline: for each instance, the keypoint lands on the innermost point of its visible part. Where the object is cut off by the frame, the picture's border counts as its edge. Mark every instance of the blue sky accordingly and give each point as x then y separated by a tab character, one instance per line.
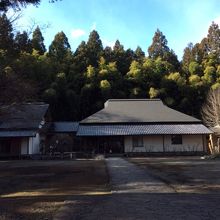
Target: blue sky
133	22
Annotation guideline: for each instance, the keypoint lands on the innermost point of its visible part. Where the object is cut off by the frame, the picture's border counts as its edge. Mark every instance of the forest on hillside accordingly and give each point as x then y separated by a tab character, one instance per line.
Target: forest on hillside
77	83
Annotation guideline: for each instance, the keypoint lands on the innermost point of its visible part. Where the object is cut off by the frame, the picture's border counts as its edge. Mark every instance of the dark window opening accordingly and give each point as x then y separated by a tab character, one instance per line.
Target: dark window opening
176	139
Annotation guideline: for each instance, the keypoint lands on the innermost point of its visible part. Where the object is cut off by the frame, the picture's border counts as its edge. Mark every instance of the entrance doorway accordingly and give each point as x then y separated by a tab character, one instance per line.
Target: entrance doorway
10	146
111	145
104	145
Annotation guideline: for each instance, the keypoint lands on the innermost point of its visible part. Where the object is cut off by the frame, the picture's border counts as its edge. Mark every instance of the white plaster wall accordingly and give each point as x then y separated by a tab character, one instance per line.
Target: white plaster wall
154	143
189	143
34	144
24	146
128	143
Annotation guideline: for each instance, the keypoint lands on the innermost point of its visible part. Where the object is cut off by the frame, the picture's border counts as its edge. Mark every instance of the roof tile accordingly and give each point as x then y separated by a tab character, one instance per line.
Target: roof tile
121	130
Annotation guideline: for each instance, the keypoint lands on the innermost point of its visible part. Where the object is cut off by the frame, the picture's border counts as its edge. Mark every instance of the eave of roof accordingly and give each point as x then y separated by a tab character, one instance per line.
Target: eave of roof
127	130
17	134
64	127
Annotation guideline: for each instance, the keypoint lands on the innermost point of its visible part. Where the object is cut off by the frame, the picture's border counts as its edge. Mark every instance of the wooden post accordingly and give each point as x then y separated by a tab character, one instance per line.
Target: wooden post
163	145
203	144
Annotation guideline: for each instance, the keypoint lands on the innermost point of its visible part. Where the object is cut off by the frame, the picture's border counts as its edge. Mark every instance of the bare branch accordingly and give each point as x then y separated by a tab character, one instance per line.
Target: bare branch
33	25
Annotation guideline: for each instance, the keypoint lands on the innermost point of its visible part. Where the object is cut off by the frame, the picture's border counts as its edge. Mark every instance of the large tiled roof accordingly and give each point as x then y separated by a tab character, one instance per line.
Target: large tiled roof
22	116
64	127
137	111
150	129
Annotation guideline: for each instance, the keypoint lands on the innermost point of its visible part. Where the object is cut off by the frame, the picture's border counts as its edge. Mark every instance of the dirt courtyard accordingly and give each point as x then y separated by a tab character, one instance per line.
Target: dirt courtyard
37	189
40	189
158	188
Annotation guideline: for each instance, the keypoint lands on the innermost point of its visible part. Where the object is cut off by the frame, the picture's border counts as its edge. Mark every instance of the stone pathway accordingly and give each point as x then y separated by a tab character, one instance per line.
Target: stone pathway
138	195
129	178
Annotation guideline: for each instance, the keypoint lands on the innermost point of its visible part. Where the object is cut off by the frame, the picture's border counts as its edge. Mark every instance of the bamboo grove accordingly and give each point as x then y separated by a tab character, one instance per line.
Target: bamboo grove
77	83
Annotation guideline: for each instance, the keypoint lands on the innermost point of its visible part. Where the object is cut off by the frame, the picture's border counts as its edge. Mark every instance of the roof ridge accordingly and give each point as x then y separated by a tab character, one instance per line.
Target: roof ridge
65	121
133	100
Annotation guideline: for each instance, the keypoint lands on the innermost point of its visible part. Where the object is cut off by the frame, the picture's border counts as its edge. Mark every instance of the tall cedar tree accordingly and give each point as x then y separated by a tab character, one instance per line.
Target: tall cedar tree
122	58
213	39
6	34
139	54
160	49
107	54
38	41
81	60
7	51
199	51
187	57
22	42
94	48
59	47
159	46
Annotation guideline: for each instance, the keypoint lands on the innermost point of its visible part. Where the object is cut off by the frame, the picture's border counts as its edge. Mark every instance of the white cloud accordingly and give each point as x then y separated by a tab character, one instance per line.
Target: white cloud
108	43
77	33
93	27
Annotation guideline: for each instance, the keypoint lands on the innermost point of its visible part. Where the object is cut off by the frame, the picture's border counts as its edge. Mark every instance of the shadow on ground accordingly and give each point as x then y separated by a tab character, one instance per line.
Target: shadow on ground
129	206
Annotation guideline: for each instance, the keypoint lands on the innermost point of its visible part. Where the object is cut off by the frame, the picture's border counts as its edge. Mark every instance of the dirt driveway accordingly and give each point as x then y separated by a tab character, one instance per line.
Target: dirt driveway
184	174
37	189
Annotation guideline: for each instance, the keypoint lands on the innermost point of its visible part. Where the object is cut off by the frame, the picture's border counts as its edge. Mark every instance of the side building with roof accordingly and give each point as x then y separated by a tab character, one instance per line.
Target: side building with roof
23	129
142	126
61	137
